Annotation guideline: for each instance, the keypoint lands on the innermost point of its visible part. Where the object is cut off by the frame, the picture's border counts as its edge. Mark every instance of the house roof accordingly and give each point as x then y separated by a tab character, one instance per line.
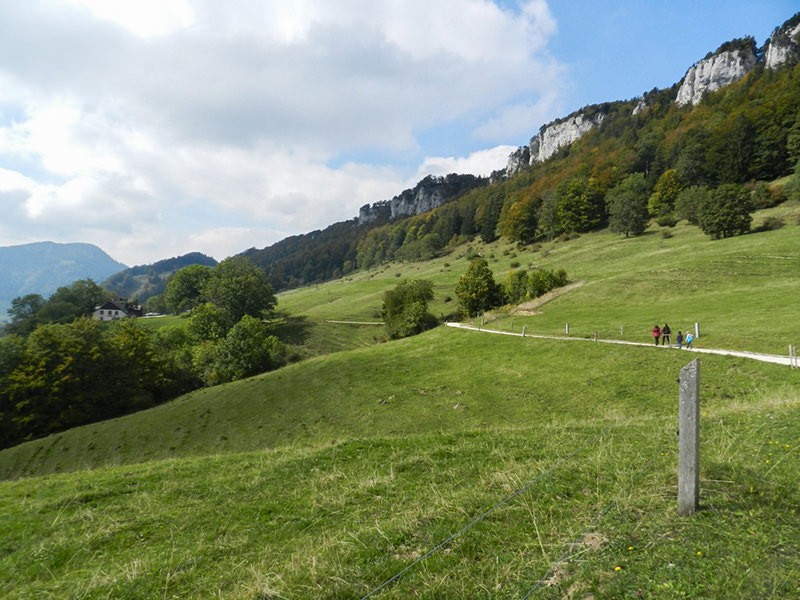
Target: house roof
111	306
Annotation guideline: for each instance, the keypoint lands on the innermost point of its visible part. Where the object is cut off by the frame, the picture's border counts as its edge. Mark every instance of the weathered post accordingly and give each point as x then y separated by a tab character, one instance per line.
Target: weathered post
523	331
689	439
697	330
566	328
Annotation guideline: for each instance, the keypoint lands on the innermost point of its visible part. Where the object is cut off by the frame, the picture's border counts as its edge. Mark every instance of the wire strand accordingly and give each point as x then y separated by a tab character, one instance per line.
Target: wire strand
470	525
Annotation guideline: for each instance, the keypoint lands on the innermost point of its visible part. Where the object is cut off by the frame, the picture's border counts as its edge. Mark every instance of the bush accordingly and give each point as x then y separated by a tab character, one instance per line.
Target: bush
405	308
766	197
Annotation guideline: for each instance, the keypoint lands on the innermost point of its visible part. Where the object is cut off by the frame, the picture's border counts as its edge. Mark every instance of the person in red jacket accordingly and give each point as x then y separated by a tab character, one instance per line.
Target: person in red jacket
656	334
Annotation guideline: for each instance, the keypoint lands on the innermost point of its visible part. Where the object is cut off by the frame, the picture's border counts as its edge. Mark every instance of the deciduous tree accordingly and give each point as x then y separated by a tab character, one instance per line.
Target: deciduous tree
405	308
627	205
477	290
185	288
726	212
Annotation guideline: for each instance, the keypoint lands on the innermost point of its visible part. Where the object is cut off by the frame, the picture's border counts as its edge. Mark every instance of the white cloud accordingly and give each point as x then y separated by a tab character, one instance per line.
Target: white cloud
161	127
482	162
144	18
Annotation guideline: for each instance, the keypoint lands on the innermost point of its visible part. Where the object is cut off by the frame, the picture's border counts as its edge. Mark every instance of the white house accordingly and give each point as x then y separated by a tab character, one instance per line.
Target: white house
110	311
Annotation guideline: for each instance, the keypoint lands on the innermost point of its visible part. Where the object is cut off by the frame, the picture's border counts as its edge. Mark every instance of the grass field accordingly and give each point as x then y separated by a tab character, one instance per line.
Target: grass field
452	464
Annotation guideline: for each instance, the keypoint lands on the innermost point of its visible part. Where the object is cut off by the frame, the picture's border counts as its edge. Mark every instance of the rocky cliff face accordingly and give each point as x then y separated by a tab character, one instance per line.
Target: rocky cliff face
551	138
732	61
717	71
558	135
428	194
783	46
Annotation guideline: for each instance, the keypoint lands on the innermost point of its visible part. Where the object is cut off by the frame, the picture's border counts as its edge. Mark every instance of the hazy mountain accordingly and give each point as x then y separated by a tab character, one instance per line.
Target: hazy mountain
43	267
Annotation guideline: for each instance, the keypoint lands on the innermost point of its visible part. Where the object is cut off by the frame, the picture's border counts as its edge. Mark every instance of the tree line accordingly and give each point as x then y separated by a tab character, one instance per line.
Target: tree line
405	307
59	368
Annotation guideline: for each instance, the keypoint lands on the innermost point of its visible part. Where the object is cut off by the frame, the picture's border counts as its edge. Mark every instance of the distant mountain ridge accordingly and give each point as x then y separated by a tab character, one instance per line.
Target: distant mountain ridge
43	267
145	281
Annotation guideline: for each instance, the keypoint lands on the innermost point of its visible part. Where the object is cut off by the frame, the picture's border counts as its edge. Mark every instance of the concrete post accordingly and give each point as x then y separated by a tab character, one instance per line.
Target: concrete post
689	439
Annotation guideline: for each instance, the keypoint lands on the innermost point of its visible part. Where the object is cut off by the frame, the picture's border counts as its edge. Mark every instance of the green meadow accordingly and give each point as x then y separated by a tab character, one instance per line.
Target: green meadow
454	464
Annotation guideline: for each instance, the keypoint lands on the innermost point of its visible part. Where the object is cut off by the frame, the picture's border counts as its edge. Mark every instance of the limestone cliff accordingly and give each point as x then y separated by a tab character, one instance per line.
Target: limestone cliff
552	137
429	193
728	64
783	46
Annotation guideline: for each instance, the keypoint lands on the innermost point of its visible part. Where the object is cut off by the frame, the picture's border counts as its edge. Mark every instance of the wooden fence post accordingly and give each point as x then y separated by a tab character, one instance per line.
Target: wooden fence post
689	439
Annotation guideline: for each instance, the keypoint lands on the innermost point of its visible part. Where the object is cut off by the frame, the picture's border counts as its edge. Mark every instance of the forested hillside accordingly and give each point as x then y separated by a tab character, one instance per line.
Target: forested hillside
746	134
145	281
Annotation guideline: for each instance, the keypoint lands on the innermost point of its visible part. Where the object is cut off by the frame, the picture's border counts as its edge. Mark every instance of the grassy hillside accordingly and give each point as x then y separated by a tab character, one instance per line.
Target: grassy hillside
454	464
741	290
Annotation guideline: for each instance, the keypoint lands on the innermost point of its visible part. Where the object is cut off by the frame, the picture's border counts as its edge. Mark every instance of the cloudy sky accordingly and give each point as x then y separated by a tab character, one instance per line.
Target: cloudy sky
154	128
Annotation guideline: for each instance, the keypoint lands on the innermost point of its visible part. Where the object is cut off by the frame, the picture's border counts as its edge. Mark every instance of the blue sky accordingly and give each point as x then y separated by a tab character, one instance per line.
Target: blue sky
160	127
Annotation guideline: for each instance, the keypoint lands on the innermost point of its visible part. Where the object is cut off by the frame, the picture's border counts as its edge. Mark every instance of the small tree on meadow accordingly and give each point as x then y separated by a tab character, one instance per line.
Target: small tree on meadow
477	290
405	308
727	211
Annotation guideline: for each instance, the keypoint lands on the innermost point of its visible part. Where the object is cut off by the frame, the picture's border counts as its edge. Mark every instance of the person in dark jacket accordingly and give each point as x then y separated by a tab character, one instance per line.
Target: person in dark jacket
665	333
679	340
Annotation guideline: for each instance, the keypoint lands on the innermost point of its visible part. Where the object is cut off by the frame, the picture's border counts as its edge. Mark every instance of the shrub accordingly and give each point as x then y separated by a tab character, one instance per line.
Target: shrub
405	308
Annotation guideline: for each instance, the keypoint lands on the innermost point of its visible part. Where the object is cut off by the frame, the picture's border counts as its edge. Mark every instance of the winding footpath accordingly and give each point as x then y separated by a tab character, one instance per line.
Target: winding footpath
769	358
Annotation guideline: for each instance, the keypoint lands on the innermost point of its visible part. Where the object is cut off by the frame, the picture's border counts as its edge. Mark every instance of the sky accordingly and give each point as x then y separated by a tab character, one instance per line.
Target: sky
154	128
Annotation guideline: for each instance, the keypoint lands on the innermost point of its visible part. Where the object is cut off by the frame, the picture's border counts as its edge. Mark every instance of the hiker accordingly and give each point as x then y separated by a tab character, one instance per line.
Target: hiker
656	333
679	340
689	340
665	333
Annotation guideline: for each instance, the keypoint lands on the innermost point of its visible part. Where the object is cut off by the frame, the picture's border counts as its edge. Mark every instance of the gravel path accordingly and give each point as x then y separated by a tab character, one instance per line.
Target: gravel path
770	358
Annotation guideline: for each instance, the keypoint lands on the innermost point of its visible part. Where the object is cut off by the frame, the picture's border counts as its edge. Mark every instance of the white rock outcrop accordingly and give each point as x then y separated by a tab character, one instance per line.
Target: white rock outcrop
429	193
641	106
556	136
550	139
782	46
714	73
